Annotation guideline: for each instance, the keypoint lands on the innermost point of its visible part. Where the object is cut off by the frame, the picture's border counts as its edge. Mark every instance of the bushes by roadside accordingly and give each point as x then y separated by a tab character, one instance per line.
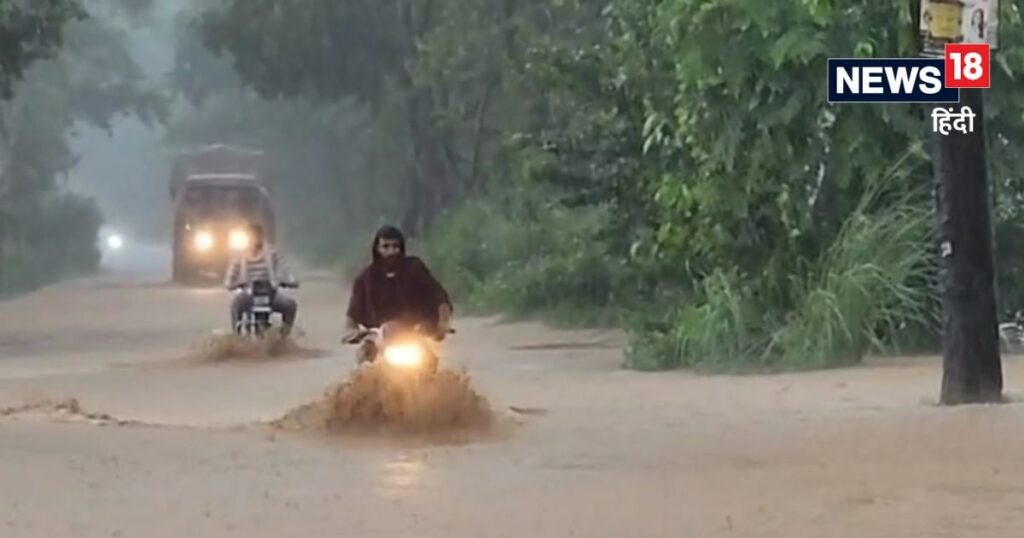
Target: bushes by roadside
48	240
531	258
872	290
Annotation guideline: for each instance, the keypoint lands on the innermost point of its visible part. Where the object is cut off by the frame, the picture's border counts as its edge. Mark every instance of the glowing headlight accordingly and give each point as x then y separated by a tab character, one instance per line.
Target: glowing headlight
238	240
404	356
115	242
203	241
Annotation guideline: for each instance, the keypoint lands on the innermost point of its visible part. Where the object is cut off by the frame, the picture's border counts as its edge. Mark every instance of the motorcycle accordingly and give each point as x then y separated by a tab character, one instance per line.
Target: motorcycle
401	347
256	321
1011	333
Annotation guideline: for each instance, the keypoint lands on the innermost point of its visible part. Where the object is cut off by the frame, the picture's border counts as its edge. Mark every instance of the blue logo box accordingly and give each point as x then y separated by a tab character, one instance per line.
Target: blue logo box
889	80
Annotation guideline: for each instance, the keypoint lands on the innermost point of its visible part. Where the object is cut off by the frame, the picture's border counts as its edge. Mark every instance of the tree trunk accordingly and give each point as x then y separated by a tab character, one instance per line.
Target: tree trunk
972	368
475	179
6	219
434	169
3	242
413	216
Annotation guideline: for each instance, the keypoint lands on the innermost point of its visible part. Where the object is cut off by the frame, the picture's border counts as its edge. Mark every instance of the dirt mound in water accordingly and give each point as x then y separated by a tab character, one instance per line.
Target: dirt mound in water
274	344
64	410
376	399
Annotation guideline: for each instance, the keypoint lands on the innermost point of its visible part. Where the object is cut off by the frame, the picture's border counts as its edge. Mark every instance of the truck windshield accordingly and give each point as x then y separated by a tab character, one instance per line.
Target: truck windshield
217	198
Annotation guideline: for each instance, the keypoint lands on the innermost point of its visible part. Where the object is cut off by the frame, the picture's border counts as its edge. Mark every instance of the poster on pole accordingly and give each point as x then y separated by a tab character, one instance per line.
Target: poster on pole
980	22
941	23
957	21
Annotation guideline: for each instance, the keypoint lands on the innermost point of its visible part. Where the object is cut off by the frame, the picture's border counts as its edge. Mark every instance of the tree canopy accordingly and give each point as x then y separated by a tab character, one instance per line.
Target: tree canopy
64	67
674	162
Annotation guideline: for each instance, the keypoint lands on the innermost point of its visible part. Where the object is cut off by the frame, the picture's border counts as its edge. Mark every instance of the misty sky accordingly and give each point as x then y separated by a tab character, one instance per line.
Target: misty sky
127	170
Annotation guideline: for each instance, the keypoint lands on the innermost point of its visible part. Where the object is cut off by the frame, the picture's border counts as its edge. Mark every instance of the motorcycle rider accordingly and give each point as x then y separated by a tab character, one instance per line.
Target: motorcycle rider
397	287
261	263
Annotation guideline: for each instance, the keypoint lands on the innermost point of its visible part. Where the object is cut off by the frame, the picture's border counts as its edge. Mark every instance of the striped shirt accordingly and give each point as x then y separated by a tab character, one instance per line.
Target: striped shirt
258	269
267	265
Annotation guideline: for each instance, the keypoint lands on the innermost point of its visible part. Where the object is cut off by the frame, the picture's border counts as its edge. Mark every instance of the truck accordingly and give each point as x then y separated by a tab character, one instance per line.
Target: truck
216	193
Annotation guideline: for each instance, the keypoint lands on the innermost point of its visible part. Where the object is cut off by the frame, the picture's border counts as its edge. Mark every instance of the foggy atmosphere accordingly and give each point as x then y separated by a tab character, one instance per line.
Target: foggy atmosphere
503	268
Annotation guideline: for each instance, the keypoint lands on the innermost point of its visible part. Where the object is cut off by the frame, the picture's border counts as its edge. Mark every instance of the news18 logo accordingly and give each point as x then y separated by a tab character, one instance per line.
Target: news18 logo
910	80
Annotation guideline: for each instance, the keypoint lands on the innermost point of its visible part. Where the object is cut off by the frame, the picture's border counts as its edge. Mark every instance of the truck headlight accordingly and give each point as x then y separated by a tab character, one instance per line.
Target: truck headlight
203	241
238	240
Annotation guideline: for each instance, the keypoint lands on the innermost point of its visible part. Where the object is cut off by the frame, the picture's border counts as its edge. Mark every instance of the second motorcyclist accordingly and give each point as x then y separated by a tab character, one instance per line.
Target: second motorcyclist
262	262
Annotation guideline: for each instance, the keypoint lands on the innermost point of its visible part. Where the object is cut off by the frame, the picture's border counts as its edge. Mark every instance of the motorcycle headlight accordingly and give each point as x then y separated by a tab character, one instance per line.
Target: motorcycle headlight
404	356
238	240
203	241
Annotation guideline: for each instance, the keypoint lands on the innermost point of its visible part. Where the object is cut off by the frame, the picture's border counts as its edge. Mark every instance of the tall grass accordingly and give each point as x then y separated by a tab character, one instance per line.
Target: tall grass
721	332
874	283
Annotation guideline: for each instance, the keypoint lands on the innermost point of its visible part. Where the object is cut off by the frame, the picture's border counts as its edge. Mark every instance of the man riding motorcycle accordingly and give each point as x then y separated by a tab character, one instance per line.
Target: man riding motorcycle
397	288
261	263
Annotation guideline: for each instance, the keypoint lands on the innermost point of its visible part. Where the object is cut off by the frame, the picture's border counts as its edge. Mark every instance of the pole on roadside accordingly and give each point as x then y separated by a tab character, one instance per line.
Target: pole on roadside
971	362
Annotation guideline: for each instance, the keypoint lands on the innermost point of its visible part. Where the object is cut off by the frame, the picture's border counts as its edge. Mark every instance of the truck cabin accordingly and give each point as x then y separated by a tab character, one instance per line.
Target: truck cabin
228	195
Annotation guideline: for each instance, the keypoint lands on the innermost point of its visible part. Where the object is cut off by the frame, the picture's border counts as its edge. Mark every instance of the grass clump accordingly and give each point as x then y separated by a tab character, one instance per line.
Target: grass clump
871	287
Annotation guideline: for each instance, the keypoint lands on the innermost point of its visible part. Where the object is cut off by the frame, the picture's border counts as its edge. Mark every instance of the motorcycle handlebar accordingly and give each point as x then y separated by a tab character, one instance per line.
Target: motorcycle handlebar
356	337
362	332
292	285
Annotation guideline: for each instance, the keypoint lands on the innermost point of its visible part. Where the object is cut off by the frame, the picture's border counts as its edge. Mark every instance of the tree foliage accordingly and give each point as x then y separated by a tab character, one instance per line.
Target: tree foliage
89	80
439	65
704	125
674	159
30	31
329	169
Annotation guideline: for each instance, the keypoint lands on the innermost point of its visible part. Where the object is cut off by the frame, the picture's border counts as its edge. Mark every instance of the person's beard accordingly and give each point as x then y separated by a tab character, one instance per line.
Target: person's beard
390	264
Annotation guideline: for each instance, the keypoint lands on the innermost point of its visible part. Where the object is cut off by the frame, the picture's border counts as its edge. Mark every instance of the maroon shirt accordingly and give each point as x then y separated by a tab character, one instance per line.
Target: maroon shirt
411	295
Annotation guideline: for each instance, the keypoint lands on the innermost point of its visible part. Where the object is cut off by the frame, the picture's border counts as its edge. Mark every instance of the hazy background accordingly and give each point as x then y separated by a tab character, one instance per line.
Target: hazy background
126	169
613	162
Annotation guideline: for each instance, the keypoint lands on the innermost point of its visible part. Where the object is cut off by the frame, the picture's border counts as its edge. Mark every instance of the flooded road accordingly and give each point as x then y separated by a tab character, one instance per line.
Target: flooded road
595	451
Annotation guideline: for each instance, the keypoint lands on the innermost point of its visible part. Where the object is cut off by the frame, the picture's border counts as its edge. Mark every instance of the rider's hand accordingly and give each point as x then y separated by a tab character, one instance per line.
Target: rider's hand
444	328
352	333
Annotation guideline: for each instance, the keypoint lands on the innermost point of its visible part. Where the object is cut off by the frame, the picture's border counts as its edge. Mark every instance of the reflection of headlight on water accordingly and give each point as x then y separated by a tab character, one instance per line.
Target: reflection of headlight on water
404	356
238	240
115	242
401	476
203	241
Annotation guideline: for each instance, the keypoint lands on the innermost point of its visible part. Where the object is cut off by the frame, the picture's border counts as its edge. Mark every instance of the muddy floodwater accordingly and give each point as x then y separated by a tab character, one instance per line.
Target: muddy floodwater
110	426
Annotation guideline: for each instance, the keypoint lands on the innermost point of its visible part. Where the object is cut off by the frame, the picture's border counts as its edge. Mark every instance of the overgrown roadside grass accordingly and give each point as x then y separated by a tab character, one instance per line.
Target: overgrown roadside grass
872	290
872	287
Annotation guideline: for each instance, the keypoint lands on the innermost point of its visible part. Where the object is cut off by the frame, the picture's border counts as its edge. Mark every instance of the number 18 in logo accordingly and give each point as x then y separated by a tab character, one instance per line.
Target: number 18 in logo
967	65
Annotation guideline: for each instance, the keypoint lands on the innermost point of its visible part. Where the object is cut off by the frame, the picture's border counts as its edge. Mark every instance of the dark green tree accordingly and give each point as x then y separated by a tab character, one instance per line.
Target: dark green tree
90	78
